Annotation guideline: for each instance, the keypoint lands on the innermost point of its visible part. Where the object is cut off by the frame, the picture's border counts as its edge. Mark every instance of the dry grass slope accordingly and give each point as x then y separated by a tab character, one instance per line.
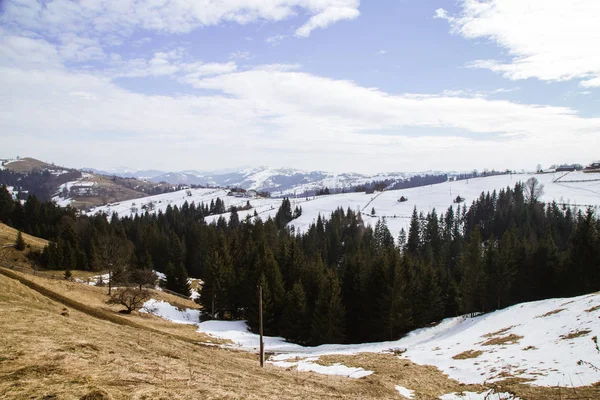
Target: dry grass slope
27	164
8	235
47	355
89	351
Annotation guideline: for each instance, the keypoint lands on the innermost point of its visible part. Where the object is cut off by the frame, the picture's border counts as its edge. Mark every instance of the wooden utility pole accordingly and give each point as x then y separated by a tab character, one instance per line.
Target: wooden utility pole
214	296
260	327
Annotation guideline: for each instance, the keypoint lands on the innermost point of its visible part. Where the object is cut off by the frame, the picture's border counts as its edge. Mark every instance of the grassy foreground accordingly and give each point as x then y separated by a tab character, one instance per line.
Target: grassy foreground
59	340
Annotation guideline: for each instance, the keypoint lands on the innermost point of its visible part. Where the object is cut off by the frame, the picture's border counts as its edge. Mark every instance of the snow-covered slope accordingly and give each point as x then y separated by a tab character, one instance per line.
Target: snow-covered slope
440	196
178	198
549	342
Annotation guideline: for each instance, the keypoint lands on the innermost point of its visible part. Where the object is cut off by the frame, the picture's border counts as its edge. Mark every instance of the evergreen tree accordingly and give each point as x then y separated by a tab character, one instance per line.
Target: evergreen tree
20	243
329	317
473	283
414	234
295	321
177	279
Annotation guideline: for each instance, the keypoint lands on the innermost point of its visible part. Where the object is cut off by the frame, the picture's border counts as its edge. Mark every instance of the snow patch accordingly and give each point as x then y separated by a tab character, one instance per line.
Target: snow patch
543	354
409	394
487	395
335	369
169	312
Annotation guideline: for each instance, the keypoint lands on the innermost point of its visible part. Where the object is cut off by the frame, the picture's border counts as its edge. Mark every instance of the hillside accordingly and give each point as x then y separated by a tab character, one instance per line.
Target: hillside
68	186
574	189
54	351
28	164
50	355
545	344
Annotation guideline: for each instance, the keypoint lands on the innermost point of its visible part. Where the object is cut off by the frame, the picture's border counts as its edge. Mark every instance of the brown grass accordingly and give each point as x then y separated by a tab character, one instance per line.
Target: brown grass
549	313
468	354
26	164
430	383
92	301
595	308
502	340
497	333
50	356
45	355
575	334
8	235
427	381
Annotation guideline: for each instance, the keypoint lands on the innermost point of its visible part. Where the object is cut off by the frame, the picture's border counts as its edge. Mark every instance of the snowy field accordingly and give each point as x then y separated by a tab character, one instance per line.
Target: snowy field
439	196
426	198
551	342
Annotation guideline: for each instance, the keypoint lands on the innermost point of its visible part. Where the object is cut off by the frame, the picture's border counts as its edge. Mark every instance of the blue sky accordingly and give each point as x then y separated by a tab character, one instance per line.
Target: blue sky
339	85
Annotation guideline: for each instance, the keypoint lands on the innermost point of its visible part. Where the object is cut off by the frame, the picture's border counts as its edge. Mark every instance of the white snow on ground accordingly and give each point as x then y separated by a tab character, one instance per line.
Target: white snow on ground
237	332
307	364
409	394
165	310
178	198
487	395
441	196
426	198
544	354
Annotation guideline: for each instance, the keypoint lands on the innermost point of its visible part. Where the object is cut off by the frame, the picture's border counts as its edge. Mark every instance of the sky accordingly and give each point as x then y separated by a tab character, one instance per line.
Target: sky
334	85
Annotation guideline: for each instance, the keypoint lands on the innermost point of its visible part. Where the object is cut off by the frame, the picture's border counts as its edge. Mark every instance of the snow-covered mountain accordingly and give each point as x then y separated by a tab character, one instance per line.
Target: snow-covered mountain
279	181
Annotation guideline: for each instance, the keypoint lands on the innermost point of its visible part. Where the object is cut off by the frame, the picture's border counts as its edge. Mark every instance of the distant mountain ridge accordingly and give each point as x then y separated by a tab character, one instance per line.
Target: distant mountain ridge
279	181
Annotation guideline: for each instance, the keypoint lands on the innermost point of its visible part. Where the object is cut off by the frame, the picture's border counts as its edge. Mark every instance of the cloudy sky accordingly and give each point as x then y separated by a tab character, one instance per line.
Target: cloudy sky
338	85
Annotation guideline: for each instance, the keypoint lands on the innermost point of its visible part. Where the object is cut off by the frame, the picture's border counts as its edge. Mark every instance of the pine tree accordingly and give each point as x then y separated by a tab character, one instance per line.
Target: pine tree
414	234
68	273
473	283
329	317
295	322
20	242
177	279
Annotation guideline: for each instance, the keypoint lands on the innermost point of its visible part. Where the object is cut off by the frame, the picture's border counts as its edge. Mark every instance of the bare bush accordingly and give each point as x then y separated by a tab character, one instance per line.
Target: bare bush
132	299
114	254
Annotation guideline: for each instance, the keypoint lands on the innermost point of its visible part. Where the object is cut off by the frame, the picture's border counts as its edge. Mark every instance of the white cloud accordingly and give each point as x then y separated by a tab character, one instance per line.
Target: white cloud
26	52
330	15
477	93
274	113
141	42
382	52
591	83
121	18
547	40
242	55
173	64
275	40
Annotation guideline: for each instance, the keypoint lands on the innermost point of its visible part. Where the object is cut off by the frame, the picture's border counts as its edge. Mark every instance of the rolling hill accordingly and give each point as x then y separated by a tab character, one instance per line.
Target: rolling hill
575	189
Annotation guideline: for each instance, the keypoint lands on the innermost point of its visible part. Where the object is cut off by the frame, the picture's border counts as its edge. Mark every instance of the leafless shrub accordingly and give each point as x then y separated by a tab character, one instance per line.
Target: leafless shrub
132	299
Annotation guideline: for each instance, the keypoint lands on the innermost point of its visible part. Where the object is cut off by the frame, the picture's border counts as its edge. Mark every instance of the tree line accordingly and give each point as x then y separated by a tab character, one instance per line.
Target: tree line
341	281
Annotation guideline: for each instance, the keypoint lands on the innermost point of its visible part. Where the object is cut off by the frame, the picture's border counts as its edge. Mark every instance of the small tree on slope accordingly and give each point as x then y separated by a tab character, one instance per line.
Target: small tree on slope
20	243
